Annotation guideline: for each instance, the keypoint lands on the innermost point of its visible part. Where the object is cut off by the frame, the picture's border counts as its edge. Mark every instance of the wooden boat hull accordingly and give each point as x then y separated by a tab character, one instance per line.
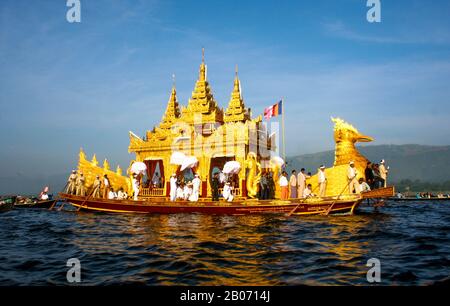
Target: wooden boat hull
7	204
238	207
39	204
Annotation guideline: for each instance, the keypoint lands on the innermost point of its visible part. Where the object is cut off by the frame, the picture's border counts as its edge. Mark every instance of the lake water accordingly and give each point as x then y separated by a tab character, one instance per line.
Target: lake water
411	240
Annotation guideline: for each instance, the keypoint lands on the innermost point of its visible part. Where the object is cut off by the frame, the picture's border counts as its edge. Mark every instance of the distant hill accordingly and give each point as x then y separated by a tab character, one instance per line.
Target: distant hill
414	162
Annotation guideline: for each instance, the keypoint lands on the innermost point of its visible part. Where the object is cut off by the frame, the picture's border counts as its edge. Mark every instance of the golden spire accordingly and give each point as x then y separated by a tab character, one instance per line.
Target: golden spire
236	110
202	75
173	110
94	160
202	100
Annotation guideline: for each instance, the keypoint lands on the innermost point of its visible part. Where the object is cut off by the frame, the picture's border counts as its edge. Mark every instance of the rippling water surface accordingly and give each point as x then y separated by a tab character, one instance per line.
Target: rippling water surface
412	241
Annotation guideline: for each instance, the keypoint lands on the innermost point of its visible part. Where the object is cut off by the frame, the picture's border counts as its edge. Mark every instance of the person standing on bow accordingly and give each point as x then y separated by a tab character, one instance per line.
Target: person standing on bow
351	177
293	184
71	183
284	186
368	173
322	179
383	173
96	187
106	186
81	189
301	182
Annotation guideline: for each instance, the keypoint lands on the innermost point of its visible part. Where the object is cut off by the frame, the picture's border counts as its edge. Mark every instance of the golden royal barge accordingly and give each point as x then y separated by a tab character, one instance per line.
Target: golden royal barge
213	136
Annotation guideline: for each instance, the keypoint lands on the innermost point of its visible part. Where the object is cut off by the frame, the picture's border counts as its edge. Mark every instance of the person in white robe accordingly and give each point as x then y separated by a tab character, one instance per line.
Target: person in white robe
187	191
307	192
111	194
383	172
121	194
196	182
322	179
135	186
301	183
363	186
173	187
180	192
228	192
353	186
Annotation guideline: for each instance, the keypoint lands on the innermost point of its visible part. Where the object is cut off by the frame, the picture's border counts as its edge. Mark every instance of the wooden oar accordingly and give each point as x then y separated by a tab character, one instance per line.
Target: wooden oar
332	204
56	200
303	201
87	198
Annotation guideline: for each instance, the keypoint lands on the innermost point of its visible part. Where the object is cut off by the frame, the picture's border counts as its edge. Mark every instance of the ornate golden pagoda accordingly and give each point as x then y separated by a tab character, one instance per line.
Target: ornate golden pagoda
236	110
172	111
202	107
202	130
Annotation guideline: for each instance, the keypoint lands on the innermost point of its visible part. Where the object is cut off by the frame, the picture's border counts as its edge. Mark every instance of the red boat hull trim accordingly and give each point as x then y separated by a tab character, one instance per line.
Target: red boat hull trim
239	207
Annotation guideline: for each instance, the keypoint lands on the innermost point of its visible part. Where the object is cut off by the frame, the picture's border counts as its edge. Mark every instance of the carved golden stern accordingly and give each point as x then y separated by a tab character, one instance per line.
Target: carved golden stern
91	169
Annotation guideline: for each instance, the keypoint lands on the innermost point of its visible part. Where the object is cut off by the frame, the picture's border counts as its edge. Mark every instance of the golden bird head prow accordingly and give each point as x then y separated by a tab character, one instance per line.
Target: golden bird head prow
344	131
345	136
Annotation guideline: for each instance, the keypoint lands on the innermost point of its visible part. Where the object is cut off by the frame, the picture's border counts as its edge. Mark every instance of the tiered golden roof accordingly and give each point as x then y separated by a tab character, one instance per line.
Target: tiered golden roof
172	111
202	107
236	110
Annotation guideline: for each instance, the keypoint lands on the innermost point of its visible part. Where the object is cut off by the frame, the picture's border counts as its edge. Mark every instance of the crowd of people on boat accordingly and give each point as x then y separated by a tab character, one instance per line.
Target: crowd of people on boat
375	176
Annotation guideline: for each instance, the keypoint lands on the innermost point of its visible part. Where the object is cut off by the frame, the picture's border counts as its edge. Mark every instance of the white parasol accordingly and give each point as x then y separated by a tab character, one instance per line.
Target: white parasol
231	167
189	162
177	158
277	160
138	168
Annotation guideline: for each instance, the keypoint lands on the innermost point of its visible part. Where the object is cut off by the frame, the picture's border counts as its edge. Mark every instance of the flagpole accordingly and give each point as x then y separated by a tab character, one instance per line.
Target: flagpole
282	126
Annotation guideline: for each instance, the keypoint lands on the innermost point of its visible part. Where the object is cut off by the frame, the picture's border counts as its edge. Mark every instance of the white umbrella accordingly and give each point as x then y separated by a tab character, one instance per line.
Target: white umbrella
189	162
277	160
138	167
177	158
231	167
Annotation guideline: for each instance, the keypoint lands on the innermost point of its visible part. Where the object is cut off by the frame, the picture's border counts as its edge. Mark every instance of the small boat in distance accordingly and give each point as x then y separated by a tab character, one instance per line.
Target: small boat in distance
7	203
35	204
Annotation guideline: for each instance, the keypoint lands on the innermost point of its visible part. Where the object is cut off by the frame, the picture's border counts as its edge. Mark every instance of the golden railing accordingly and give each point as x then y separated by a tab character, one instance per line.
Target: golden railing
234	191
152	192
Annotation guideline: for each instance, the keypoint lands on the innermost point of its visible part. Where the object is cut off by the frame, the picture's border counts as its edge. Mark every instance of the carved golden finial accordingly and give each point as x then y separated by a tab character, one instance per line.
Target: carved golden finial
105	164
94	160
202	76
119	170
82	156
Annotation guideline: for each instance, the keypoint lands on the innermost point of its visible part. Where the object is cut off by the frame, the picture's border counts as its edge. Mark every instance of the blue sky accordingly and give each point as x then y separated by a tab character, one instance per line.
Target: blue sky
64	86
